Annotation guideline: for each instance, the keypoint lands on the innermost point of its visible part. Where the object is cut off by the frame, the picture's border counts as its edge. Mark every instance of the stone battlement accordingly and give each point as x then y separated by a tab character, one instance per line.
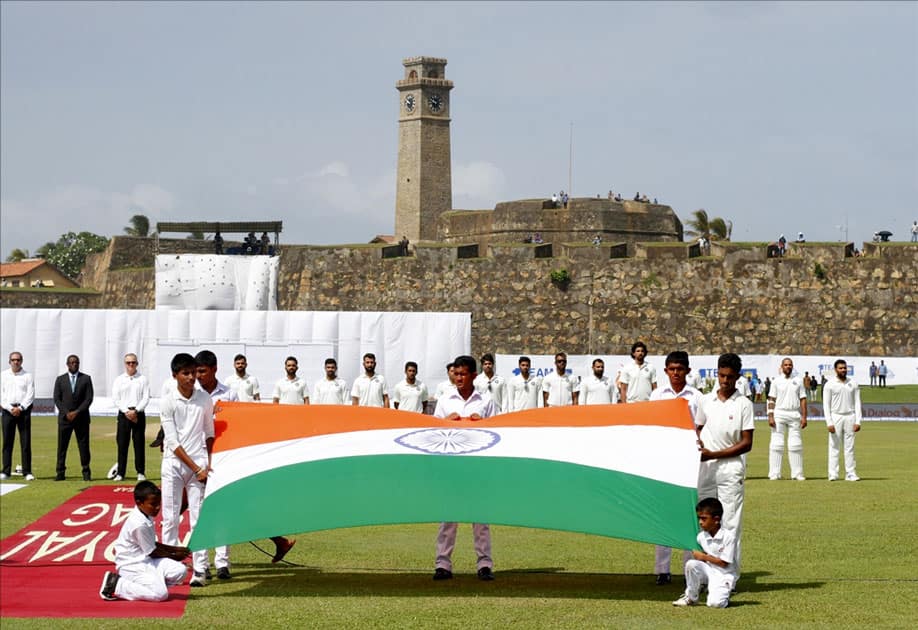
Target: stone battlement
815	300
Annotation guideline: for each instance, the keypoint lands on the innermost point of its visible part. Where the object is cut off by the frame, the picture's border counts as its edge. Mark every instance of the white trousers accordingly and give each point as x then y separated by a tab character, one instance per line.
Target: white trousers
148	580
446	542
723	479
663	558
790	426
844	434
698	573
177	477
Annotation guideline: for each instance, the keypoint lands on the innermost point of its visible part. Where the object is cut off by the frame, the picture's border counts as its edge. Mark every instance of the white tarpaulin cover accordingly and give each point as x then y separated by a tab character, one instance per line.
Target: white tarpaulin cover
211	282
101	338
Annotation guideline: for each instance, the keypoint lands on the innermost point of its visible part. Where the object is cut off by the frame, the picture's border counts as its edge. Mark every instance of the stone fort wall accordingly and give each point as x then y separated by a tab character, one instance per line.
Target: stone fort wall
816	300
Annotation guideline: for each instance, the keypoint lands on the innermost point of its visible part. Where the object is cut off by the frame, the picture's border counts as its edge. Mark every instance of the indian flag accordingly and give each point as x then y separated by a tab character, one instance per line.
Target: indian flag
625	471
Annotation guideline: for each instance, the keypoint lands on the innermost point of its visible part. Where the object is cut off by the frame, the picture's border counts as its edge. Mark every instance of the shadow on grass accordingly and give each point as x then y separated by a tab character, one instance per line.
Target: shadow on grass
545	582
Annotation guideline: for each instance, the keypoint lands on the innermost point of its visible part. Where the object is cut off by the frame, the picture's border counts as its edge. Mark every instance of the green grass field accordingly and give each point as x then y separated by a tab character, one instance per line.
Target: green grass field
815	554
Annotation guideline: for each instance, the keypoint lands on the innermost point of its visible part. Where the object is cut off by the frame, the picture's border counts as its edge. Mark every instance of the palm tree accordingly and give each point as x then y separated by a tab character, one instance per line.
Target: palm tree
17	254
140	226
712	229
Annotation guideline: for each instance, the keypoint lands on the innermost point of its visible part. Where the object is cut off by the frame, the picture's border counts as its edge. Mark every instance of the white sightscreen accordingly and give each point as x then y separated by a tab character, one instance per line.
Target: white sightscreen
211	282
101	338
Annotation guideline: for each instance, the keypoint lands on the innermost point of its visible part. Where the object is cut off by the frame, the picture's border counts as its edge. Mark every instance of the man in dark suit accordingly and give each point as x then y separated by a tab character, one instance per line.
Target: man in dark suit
72	397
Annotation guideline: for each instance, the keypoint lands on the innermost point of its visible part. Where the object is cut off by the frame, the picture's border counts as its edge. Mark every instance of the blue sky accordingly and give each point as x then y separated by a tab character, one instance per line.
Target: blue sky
781	117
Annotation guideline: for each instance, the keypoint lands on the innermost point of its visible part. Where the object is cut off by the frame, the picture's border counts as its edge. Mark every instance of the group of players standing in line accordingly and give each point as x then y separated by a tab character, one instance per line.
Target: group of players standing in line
723	419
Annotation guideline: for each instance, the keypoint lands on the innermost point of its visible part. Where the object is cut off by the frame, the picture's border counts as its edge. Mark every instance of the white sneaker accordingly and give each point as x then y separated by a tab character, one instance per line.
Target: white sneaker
4	476
30	477
141	477
684	601
852	478
112	471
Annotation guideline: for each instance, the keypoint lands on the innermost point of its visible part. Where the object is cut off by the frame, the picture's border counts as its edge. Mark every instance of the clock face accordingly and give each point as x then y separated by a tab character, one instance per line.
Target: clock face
409	103
435	102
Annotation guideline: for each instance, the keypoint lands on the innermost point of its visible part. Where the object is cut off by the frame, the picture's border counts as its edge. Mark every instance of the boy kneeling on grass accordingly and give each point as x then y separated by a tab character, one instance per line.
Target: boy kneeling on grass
145	568
715	565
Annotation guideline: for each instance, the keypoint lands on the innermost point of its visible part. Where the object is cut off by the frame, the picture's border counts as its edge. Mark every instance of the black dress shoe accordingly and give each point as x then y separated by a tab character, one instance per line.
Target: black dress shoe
159	439
664	578
485	574
442	574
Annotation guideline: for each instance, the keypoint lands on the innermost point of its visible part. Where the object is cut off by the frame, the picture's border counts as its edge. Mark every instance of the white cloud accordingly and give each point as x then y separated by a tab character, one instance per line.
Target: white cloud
30	223
477	185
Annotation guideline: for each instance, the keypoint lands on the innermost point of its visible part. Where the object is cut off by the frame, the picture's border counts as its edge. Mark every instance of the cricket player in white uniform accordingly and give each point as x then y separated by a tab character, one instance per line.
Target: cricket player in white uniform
841	402
786	414
492	383
560	389
726	420
410	394
524	391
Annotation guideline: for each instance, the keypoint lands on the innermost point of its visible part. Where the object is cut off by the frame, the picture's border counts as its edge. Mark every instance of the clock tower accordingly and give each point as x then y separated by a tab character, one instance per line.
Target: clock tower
424	186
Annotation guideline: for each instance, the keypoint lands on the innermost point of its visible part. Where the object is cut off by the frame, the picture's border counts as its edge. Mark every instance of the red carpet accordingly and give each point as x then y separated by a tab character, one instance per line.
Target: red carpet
54	567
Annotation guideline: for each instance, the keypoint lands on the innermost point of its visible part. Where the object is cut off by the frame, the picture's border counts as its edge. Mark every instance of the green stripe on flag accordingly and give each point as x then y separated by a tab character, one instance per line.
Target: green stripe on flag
391	489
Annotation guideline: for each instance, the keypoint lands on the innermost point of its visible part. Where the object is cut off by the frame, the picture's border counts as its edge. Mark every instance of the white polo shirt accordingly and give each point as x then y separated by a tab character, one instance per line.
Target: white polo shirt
443	389
723	421
187	422
841	398
560	388
136	540
496	388
370	391
524	393
596	391
326	392
291	392
221	392
640	380
410	397
689	393
722	546
787	393
131	391
476	403
245	387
